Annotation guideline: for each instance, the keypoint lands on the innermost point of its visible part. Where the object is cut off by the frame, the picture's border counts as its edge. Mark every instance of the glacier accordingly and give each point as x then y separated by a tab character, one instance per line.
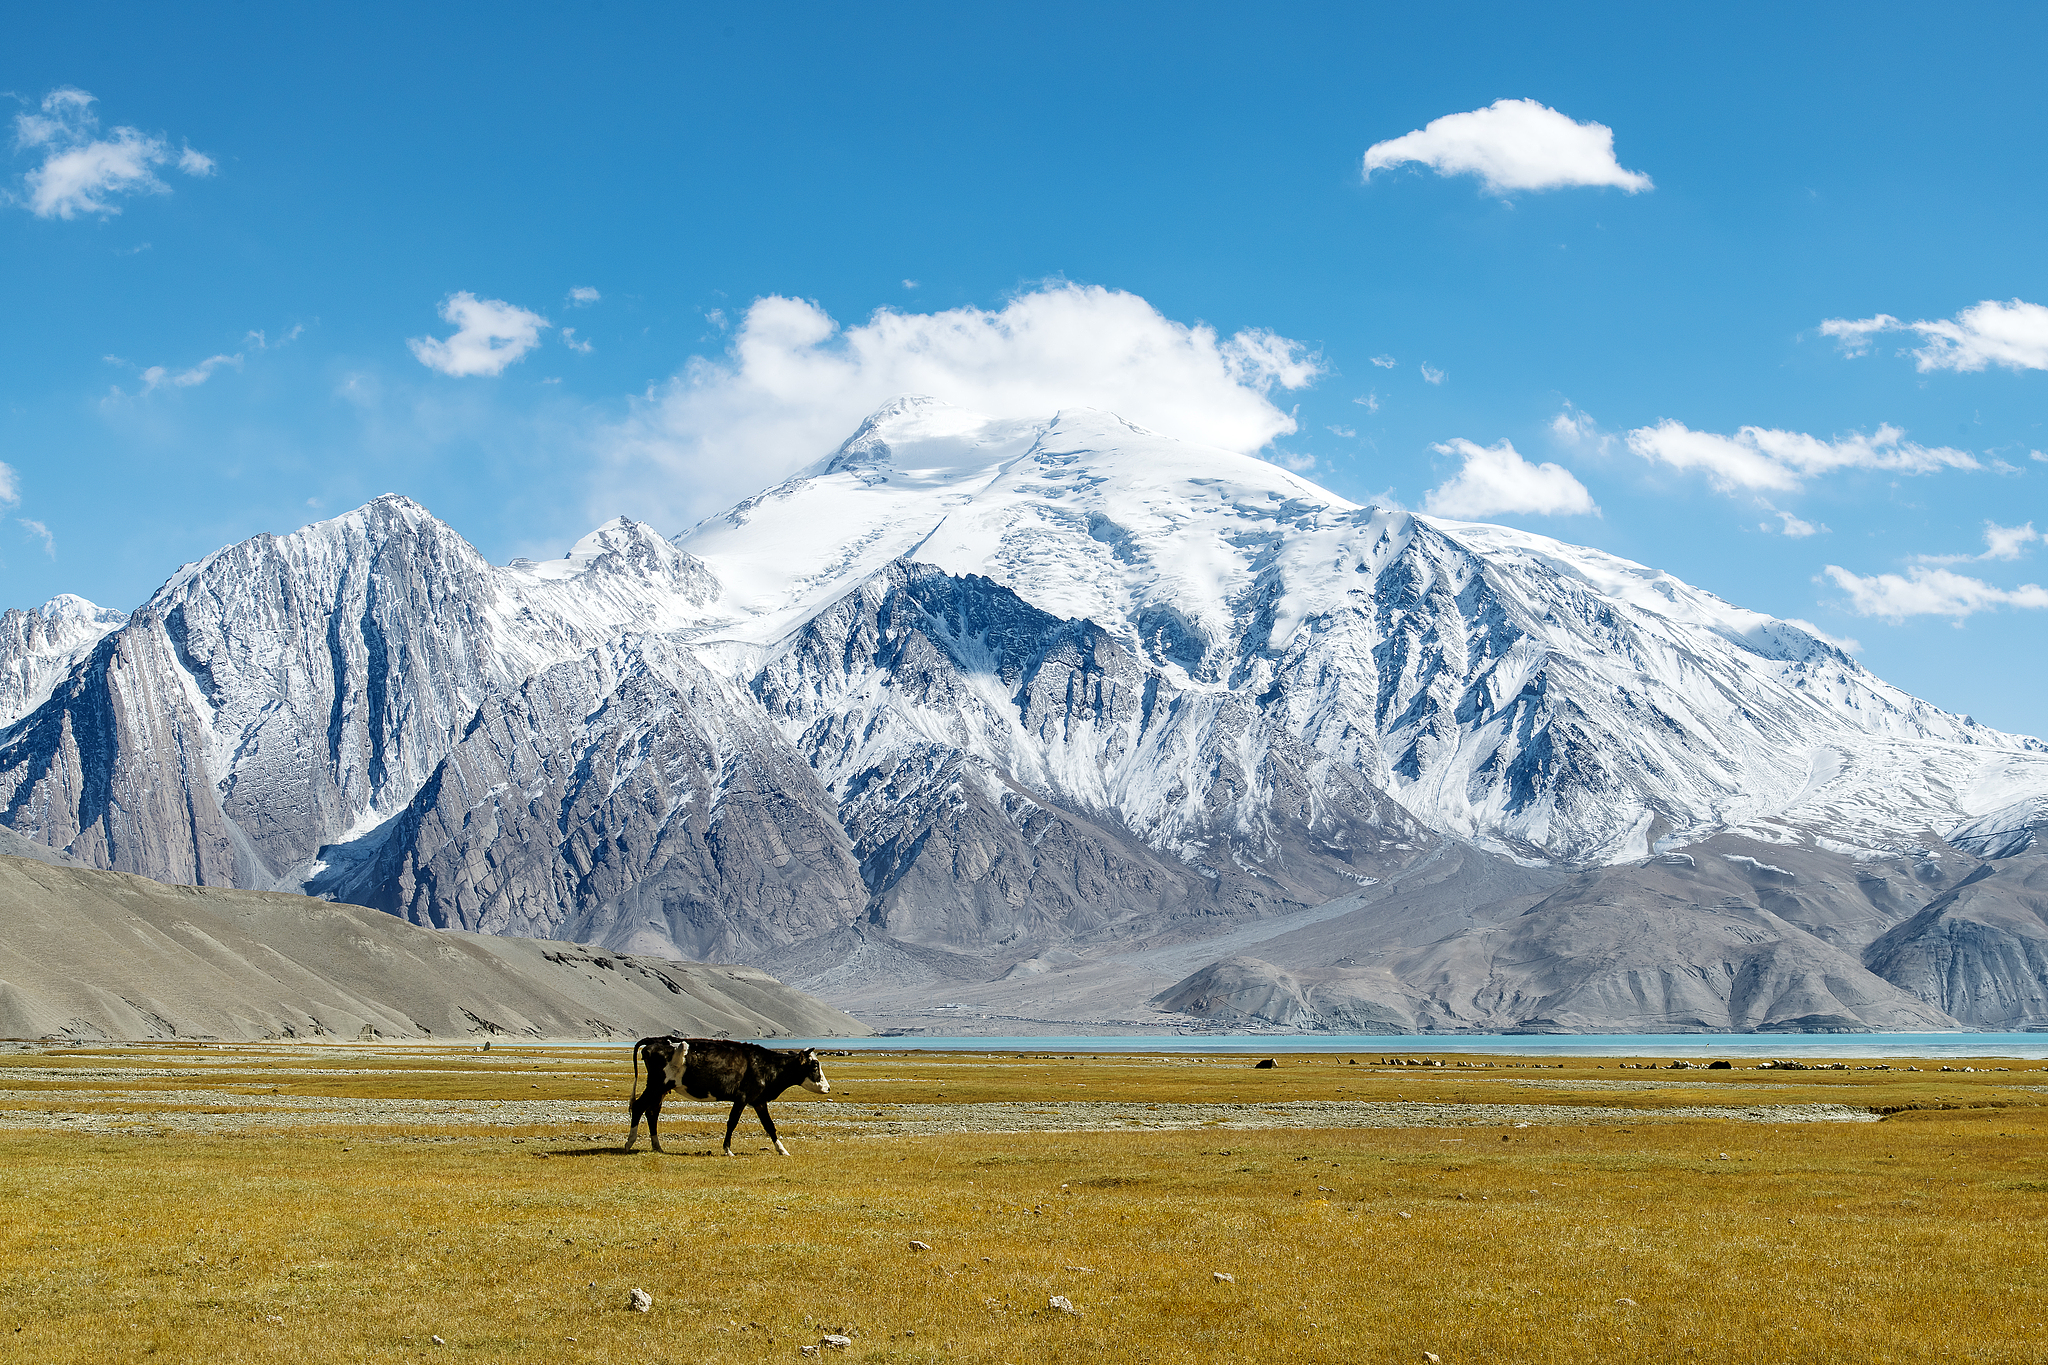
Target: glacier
1065	721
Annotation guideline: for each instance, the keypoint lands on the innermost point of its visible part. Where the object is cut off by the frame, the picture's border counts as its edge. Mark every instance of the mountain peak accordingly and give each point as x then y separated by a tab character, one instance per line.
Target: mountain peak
68	606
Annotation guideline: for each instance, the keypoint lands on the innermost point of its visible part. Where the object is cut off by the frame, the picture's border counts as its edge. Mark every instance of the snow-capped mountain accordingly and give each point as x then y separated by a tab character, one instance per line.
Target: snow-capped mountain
1022	705
39	647
1550	699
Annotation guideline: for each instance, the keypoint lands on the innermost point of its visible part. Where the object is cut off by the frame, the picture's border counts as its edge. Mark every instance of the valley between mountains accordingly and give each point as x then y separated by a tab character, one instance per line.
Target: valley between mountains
1003	726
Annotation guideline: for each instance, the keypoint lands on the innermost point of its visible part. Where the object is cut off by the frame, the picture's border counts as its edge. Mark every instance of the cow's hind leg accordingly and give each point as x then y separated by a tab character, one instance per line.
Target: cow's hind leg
733	1121
769	1124
633	1133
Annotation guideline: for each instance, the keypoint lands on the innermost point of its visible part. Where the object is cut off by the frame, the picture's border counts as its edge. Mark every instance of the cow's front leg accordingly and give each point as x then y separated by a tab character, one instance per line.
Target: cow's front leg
655	1093
732	1121
769	1124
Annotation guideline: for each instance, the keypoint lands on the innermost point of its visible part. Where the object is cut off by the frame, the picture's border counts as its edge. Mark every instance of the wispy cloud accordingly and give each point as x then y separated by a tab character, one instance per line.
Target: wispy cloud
1369	401
82	172
1512	145
157	376
582	296
1782	461
42	533
1497	479
1575	427
1431	375
490	334
1385	362
2012	334
10	486
1925	591
1792	526
570	340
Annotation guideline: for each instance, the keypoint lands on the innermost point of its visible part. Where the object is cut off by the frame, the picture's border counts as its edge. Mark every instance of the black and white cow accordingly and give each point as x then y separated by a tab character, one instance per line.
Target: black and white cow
719	1069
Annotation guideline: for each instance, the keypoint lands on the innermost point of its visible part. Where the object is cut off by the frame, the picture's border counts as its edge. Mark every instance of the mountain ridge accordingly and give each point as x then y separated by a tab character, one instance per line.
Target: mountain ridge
1023	693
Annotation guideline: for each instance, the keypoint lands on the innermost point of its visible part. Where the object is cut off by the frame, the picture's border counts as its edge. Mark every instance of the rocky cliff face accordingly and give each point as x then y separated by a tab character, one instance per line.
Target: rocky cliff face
1024	705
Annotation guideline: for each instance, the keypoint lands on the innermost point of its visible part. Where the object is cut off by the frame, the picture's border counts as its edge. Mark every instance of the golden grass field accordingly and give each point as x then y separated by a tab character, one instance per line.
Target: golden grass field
267	1238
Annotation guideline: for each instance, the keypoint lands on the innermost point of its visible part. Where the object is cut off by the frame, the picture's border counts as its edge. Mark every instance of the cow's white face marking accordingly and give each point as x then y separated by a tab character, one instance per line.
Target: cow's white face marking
674	1071
820	1086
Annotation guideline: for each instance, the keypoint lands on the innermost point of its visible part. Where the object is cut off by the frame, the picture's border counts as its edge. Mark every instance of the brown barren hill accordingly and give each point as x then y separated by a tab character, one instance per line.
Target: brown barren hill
90	954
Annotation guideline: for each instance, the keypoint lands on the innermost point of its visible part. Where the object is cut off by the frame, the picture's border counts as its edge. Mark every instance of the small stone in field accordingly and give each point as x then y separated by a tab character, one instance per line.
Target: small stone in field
1432	1357
920	1246
1722	1157
437	1341
640	1301
1222	1278
1062	1303
1402	1214
835	1341
1626	1303
807	1350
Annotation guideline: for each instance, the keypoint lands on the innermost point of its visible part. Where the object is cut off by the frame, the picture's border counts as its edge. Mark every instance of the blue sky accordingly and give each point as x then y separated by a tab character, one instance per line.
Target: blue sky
211	311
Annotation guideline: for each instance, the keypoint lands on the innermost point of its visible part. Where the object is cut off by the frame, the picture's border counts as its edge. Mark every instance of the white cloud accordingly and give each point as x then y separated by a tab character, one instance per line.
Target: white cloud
2013	334
10	486
1923	591
582	296
792	384
490	334
1499	480
1385	362
1792	526
82	172
1370	402
1781	461
910	284
569	340
1431	376
1512	145
1338	429
42	533
2007	542
2000	542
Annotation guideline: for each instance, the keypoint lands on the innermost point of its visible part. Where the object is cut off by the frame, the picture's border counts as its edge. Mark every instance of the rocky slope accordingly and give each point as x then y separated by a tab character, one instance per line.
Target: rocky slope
1057	713
90	954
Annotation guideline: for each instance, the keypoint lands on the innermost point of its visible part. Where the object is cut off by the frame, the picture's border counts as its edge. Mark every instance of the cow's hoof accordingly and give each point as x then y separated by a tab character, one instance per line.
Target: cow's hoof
782	1149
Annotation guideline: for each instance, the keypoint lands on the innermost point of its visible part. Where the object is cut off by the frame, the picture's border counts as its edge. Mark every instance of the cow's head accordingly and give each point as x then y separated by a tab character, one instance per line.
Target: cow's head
814	1074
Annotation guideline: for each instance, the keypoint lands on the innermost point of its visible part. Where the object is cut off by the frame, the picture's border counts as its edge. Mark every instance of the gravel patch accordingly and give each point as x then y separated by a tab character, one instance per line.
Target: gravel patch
211	1111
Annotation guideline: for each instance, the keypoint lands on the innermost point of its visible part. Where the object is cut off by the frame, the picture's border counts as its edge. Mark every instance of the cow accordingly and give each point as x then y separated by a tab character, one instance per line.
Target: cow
719	1069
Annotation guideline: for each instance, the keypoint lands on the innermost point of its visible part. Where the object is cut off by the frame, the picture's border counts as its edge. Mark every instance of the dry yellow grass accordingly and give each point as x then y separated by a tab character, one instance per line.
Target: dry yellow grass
1914	1239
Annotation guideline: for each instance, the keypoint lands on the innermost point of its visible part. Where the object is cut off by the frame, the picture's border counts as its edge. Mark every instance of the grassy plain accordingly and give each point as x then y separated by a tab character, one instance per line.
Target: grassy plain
1919	1238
